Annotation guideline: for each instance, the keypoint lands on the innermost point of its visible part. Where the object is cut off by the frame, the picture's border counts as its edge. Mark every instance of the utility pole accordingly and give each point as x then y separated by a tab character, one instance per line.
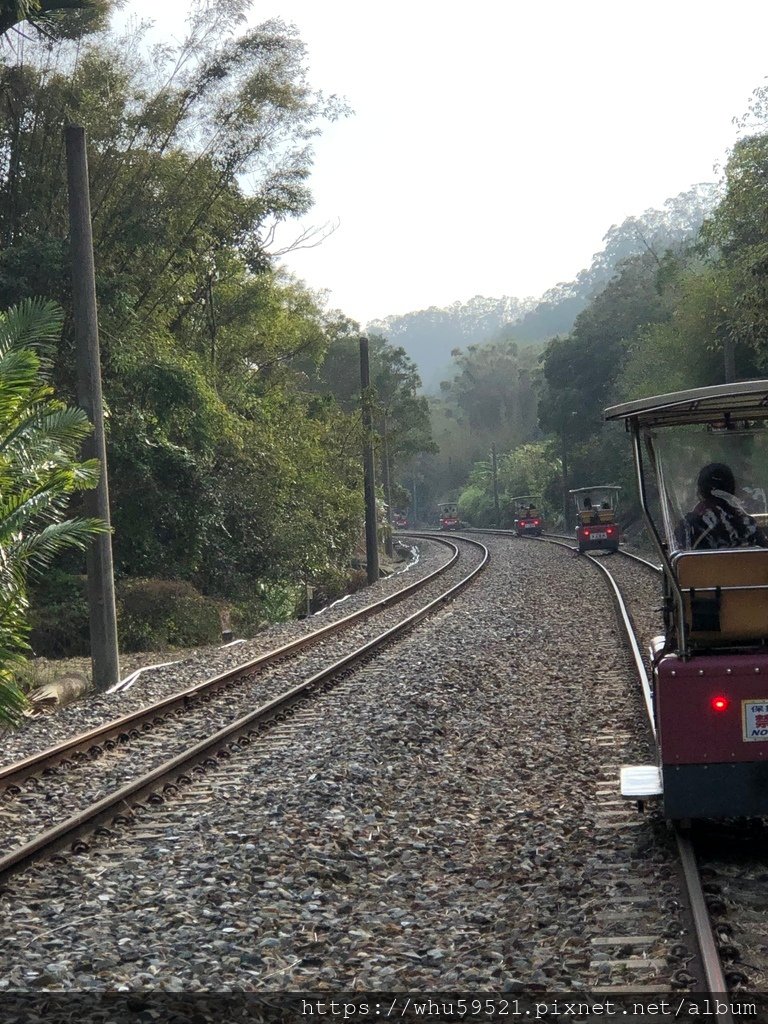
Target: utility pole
566	496
369	476
495	486
385	473
101	585
729	354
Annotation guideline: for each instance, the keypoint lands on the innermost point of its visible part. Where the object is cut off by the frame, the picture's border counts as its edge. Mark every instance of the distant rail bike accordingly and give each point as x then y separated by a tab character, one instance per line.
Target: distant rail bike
527	521
596	526
707	450
449	515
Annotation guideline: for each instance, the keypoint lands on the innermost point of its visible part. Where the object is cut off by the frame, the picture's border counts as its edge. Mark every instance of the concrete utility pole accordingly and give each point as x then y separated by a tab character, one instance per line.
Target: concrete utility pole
729	354
566	495
495	486
385	472
101	585
369	476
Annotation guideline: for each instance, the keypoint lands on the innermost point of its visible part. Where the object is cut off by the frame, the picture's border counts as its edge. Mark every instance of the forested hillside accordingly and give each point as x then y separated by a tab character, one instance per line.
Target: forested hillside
672	312
430	335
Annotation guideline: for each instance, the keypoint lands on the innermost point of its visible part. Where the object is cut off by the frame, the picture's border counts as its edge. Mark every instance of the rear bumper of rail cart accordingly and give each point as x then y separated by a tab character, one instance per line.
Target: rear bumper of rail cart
712	719
598	538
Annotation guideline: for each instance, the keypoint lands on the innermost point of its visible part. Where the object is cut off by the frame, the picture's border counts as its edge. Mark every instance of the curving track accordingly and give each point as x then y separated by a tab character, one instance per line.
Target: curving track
652	947
138	756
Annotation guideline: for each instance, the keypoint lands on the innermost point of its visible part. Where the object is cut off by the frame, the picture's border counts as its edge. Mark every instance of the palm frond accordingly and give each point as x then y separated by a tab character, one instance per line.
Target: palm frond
38	436
40	548
12	700
39	470
33	323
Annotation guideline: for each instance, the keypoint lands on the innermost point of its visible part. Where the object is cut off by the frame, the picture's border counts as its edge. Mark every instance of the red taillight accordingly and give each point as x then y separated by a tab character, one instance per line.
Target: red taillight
586	533
537	522
719	703
609	529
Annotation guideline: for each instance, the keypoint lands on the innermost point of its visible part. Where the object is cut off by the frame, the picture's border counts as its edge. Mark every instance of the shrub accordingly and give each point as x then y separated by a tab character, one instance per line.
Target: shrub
58	616
165	613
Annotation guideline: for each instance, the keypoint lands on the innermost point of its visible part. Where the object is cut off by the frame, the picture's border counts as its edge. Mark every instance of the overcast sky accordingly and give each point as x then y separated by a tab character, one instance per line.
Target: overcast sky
494	143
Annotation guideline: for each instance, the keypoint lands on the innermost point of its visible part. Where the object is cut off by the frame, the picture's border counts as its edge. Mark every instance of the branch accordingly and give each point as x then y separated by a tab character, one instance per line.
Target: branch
309	238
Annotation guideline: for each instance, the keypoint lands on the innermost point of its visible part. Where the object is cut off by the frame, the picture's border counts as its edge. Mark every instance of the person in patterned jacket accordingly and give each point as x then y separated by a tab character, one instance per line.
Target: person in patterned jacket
719	520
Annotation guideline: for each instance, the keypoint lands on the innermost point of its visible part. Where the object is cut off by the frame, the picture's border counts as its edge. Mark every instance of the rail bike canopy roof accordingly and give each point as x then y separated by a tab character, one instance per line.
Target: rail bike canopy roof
745	400
597	487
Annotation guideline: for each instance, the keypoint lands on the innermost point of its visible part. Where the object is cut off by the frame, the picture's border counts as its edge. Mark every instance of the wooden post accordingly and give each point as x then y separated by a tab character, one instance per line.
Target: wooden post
101	585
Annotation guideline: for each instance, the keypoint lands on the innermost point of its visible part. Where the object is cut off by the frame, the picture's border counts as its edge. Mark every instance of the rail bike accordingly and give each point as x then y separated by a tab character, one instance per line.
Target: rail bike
449	515
399	520
527	520
701	460
596	526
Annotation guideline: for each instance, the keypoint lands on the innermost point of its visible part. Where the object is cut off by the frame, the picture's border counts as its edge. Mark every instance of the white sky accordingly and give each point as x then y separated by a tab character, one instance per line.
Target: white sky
494	143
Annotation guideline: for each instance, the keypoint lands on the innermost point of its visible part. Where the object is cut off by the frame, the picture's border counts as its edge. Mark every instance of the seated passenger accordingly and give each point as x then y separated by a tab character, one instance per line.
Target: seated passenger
719	520
587	503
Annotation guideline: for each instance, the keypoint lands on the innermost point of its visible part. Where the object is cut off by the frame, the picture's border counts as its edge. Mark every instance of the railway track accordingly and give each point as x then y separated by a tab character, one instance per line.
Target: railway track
642	941
147	756
697	967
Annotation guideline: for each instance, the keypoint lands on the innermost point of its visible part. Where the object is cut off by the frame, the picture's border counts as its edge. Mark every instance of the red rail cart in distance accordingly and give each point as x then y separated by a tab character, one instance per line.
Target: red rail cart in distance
702	468
449	515
596	526
528	521
399	520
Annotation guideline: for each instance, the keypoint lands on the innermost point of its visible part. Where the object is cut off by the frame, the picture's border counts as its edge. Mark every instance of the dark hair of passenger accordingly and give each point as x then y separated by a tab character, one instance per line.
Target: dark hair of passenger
716	476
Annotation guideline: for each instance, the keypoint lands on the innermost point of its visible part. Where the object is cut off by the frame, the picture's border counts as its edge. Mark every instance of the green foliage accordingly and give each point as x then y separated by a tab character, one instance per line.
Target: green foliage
58	615
224	462
529	469
276	603
476	505
491	386
580	371
39	441
153	614
56	18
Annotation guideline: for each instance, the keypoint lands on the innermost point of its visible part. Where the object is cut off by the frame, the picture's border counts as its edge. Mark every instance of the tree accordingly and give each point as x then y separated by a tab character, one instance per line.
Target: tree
54	17
39	471
492	385
196	151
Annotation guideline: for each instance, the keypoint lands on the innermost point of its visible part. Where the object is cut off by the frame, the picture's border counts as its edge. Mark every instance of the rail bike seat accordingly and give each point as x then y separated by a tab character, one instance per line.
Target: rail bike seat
725	594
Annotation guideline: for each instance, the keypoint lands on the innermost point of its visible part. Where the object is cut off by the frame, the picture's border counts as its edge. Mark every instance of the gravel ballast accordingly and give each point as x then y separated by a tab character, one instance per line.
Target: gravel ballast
192	667
433	828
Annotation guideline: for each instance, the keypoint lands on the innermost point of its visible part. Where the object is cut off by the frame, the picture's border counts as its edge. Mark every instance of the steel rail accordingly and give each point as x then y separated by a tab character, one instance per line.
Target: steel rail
169	773
710	958
708	954
14	774
627	554
629	629
566	537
